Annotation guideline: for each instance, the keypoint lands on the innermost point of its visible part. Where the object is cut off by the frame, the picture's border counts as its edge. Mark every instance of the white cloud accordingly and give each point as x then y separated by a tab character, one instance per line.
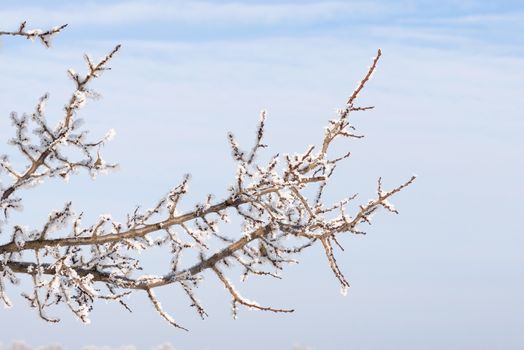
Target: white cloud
428	35
192	11
489	18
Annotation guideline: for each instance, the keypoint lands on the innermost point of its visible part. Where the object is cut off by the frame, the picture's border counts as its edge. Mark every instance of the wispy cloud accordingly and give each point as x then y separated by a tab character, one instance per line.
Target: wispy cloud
482	18
358	22
193	11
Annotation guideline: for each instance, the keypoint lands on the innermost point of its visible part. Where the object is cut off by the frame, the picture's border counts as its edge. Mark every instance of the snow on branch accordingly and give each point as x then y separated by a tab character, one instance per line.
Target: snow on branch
46	157
44	36
75	263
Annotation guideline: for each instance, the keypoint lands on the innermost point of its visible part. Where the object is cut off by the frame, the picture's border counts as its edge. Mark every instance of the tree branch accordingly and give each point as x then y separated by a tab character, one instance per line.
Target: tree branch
44	36
270	200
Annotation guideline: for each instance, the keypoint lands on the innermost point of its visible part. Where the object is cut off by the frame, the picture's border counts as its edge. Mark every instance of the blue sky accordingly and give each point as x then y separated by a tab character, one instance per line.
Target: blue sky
446	273
474	21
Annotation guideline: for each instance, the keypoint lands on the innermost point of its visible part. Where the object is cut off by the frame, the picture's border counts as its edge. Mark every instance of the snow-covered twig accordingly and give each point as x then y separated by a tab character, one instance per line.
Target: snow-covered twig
44	36
75	263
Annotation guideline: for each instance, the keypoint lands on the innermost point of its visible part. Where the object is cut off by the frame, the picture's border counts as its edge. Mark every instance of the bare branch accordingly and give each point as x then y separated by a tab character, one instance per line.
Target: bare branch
158	308
237	298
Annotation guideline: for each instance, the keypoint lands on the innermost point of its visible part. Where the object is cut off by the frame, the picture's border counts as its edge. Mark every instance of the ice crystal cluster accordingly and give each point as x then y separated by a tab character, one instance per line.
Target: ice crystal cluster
75	263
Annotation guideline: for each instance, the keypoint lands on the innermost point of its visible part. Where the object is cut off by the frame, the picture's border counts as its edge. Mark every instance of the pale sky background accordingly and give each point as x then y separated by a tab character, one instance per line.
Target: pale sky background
447	273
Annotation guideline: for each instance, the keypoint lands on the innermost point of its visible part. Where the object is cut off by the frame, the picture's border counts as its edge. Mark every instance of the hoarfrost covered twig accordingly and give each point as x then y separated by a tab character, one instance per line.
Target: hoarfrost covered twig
73	262
44	36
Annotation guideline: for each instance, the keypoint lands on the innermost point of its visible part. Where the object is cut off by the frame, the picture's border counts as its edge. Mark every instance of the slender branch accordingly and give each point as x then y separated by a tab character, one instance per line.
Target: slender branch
363	82
76	101
237	298
44	36
160	310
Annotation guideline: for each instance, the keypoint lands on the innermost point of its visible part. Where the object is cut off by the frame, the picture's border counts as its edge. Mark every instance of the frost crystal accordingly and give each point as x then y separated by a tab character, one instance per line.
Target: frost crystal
344	290
110	135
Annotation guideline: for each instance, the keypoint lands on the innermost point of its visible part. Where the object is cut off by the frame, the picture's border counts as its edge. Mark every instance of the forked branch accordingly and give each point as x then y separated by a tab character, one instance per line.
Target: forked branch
76	264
